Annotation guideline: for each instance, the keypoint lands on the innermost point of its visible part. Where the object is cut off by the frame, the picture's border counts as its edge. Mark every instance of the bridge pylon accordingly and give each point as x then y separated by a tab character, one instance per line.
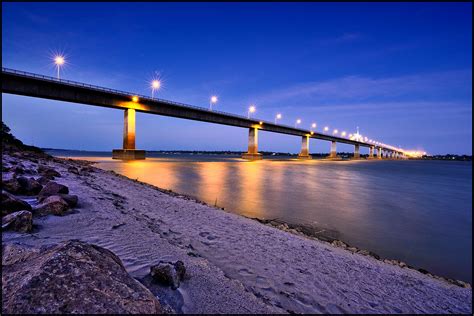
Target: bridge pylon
128	152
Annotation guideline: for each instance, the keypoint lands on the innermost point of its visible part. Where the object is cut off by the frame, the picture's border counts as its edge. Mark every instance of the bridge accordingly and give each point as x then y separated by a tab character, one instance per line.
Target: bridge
39	86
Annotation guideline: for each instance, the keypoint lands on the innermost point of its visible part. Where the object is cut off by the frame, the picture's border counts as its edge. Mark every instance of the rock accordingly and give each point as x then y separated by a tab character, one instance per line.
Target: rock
53	188
11	185
19	169
73	170
21	221
86	169
72	277
53	205
168	273
43	180
339	243
48	172
11	204
70	199
29	186
363	252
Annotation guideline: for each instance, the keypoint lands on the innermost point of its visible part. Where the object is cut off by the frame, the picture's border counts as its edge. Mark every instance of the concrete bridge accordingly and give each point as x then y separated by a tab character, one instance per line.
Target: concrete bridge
39	86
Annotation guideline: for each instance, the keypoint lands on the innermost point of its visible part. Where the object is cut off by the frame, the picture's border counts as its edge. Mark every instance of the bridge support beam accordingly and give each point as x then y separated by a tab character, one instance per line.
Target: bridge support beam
356	151
304	153
252	153
371	152
333	154
379	153
128	152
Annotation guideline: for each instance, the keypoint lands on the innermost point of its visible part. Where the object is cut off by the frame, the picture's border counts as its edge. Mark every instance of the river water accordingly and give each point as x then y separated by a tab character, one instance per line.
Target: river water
419	212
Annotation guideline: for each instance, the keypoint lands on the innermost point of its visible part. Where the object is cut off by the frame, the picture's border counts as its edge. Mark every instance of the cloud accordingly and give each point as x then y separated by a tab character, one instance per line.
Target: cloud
356	88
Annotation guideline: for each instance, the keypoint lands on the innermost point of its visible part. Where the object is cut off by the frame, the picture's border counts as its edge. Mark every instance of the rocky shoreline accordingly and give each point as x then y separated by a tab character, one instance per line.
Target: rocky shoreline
86	231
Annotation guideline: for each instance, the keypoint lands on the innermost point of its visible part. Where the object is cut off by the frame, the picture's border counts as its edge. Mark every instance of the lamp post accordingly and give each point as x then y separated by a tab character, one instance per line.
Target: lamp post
251	110
155	85
277	117
213	101
59	61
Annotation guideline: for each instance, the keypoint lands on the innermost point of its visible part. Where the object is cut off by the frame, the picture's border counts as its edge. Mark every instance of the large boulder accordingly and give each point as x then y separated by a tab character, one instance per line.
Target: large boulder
29	186
21	221
11	185
52	205
53	188
48	172
10	204
168	273
72	277
70	199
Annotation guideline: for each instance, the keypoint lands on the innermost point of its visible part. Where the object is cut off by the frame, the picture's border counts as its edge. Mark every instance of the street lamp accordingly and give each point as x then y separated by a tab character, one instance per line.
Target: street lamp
251	110
313	126
213	101
298	121
326	128
277	117
155	85
59	61
335	131
343	134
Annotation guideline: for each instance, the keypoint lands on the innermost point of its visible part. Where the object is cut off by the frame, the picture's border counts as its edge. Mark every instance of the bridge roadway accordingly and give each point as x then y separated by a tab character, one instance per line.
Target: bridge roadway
39	86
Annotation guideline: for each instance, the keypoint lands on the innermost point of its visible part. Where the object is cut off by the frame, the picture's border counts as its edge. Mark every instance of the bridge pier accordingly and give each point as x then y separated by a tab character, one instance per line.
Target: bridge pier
379	153
304	153
333	153
128	152
252	153
371	152
356	151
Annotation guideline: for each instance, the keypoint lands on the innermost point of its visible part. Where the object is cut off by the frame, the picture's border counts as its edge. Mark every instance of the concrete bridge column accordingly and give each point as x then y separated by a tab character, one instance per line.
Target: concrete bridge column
356	151
379	153
304	153
371	152
128	152
333	153
252	153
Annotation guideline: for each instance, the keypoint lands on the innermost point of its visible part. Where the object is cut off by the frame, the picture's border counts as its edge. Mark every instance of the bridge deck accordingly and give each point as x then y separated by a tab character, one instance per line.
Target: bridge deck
34	85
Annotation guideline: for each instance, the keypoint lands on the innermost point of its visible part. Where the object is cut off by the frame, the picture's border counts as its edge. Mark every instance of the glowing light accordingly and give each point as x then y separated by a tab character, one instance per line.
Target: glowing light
155	84
326	128
277	117
298	121
313	125
343	134
213	101
135	98
260	122
252	109
335	131
59	61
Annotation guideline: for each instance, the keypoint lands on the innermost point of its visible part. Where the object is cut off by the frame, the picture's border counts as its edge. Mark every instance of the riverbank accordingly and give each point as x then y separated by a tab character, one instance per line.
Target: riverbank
234	264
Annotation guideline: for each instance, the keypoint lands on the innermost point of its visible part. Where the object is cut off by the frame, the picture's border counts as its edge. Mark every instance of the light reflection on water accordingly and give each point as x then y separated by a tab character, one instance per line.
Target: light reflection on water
416	211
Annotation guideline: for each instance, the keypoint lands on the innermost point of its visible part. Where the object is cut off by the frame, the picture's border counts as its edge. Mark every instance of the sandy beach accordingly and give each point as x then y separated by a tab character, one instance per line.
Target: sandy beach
234	264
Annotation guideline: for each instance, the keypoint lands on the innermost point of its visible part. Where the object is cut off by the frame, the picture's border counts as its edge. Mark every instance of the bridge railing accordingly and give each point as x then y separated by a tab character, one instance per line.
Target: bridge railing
129	94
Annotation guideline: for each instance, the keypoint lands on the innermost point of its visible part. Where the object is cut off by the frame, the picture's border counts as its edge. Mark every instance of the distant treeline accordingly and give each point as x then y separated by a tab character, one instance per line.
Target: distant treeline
449	157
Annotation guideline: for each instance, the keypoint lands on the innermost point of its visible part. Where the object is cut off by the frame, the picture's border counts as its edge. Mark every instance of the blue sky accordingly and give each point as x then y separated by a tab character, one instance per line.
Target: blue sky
401	72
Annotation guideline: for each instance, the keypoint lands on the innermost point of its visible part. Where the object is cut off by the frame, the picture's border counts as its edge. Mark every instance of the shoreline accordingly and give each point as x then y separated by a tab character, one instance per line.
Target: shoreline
236	264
